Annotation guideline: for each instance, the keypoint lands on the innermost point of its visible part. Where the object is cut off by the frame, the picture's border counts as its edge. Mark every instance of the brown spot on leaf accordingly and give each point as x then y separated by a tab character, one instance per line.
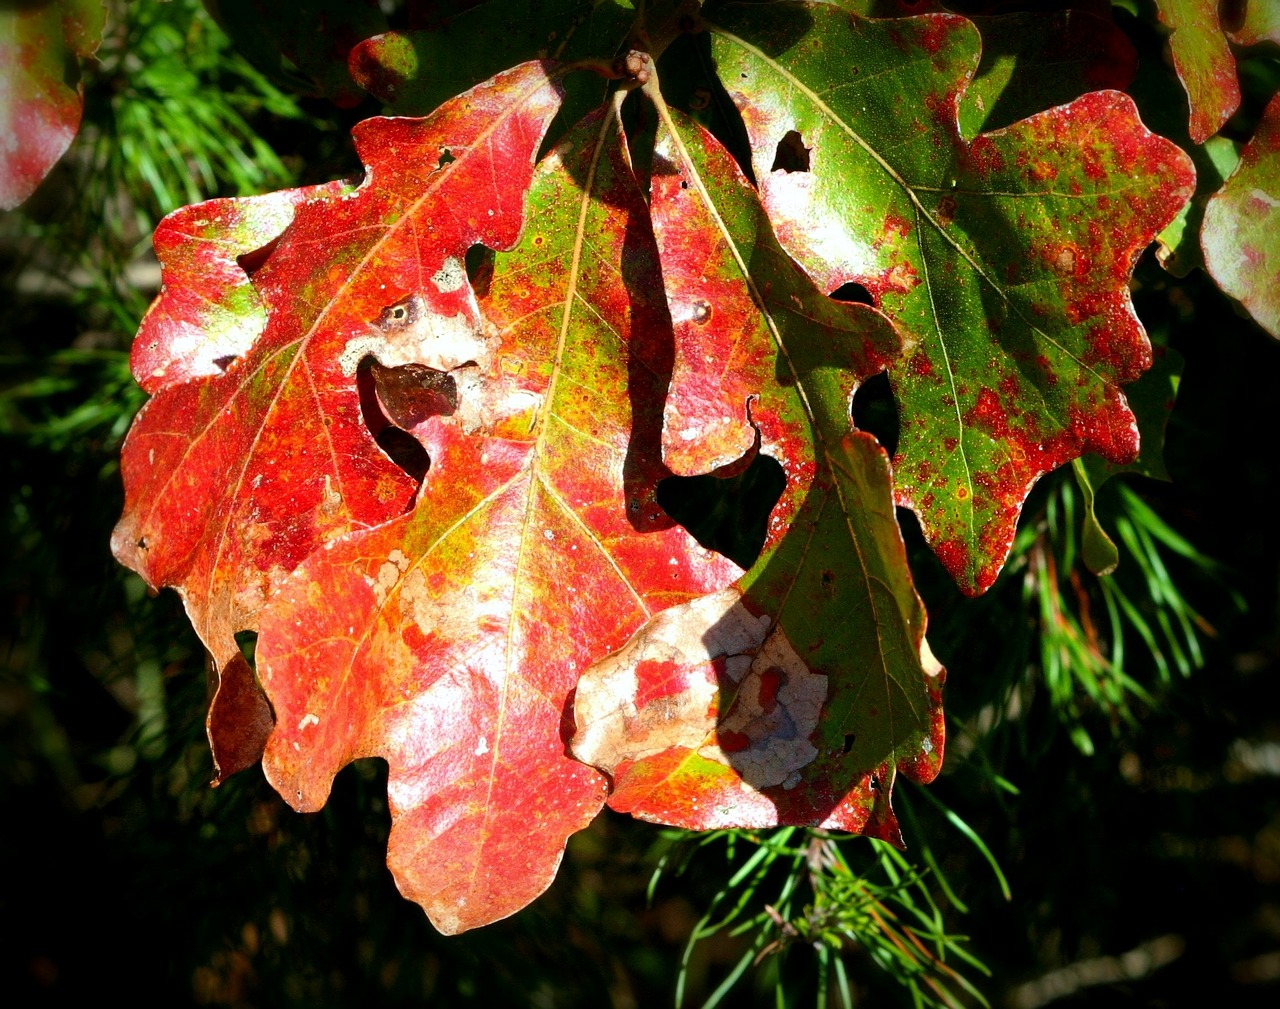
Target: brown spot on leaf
946	210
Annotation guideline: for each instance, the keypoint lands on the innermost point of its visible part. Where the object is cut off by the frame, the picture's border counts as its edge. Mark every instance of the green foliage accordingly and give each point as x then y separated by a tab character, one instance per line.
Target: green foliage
796	887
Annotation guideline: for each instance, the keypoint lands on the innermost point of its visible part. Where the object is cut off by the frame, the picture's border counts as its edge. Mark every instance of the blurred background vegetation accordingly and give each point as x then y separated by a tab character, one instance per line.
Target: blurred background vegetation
1106	830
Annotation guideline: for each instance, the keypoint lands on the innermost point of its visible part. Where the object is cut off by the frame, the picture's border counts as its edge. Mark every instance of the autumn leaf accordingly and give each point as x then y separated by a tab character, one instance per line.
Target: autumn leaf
1203	61
794	696
1005	260
1241	224
1250	22
41	99
449	641
239	471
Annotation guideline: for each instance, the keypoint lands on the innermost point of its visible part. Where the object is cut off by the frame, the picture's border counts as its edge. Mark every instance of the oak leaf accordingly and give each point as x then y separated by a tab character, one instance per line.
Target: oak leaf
1005	259
450	640
794	696
233	477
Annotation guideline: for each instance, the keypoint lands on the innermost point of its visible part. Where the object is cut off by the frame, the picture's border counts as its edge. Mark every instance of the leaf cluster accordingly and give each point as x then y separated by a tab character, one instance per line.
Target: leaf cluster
783	459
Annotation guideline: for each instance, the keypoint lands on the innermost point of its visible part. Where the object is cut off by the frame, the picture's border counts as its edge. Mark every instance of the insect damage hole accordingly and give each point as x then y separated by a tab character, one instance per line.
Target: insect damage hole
479	265
791	154
852	293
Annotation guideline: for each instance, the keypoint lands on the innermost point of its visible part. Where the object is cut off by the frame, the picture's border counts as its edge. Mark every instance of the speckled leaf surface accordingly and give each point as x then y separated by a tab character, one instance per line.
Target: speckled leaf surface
208	312
1241	232
796	695
1250	22
40	93
1204	63
232	479
450	640
1004	260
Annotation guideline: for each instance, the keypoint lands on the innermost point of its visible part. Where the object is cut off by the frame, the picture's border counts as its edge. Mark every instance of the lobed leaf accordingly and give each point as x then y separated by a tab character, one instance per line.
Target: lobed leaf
449	641
796	695
1005	260
232	479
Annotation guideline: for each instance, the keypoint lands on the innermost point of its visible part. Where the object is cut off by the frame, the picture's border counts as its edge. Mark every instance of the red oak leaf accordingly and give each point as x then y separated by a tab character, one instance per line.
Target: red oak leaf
450	640
233	478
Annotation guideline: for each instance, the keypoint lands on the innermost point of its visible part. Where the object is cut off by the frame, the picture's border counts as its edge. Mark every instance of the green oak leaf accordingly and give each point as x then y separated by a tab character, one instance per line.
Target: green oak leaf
1005	260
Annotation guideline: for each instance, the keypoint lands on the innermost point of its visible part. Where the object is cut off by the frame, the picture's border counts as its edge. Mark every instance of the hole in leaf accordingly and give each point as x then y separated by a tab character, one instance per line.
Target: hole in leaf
849	740
405	451
400	447
479	263
446	157
874	411
223	363
247	642
791	155
397	314
854	293
684	184
727	514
